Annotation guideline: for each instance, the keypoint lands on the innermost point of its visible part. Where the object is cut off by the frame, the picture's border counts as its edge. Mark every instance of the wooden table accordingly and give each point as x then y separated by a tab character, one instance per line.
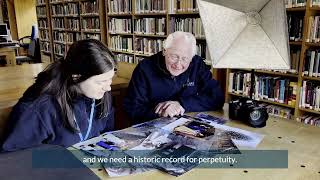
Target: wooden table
301	141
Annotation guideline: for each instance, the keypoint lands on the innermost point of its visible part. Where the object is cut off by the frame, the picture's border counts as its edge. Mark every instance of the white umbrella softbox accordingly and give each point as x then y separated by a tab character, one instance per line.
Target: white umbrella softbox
246	33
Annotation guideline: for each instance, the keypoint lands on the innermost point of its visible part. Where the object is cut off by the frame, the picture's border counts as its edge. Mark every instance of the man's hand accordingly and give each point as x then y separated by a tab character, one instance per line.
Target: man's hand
169	108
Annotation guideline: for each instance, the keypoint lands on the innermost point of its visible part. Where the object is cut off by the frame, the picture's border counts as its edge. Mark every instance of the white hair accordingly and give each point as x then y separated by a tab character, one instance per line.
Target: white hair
188	37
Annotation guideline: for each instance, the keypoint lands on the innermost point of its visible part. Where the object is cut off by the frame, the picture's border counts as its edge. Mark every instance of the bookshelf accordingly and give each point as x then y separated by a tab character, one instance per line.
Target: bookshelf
137	29
45	31
302	80
70	21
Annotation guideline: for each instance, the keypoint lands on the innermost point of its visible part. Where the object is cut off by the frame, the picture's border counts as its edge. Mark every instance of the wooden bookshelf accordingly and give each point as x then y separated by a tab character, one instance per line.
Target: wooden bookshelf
276	103
303	45
309	111
150	35
236	94
276	73
123	52
45	29
298	43
134	15
296	9
74	14
312	44
311	78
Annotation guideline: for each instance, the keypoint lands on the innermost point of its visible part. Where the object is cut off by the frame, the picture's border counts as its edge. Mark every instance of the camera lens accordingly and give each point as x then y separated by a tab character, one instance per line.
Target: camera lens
255	115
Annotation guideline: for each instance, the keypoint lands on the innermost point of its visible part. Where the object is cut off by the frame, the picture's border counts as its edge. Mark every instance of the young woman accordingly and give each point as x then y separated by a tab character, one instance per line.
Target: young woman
68	103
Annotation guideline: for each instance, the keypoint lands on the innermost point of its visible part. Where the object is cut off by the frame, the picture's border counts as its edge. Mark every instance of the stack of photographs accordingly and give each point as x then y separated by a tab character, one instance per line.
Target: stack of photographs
167	138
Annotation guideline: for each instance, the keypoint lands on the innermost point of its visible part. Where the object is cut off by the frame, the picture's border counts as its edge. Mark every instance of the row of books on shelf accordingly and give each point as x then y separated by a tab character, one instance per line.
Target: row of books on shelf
295	3
312	63
124	58
67	9
91	36
58	9
59	49
128	58
192	25
278	111
55	1
42	23
295	54
44	34
310	95
120	43
73	37
45	46
91	23
274	89
58	23
148	46
58	36
202	50
295	26
309	119
119	6
240	83
315	3
41	1
182	6
73	24
144	46
150	6
41	11
72	8
150	26
119	25
90	7
313	34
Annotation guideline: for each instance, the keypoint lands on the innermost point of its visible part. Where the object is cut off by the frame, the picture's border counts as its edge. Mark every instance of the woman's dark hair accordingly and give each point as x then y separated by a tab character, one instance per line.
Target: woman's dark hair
85	58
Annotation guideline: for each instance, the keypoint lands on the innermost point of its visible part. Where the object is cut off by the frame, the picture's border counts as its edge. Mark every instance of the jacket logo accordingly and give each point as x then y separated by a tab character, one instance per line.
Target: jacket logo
188	84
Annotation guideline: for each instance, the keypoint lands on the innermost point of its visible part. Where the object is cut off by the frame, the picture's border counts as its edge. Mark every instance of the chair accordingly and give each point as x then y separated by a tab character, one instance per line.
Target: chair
33	51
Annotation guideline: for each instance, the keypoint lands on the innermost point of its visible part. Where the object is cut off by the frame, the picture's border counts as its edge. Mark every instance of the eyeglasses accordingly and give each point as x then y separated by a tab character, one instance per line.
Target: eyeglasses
174	58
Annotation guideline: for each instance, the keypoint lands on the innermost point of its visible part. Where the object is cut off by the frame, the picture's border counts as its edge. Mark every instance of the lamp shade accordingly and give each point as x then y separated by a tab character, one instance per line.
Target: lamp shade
246	33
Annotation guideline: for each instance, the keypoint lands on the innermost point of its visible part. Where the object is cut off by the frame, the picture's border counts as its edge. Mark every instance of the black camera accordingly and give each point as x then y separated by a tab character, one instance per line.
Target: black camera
249	111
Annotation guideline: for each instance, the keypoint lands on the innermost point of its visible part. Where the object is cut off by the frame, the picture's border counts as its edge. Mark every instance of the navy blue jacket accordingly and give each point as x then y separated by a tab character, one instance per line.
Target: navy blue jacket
37	122
151	83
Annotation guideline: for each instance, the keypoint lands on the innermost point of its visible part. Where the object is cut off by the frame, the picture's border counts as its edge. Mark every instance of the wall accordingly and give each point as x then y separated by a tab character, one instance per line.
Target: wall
26	16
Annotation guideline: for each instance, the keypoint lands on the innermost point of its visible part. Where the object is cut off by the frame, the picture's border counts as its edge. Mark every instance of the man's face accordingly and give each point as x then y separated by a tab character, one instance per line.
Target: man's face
178	57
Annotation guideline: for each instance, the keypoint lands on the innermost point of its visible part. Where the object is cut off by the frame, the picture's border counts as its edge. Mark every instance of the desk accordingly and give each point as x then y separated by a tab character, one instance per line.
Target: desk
8	49
301	141
9	54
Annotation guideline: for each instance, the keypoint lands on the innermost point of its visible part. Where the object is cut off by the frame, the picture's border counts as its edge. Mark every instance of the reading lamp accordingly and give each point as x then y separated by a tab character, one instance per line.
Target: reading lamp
246	34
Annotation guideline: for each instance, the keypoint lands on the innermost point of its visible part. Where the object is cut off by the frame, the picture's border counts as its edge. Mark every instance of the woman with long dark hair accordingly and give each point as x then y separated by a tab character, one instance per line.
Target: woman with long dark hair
69	102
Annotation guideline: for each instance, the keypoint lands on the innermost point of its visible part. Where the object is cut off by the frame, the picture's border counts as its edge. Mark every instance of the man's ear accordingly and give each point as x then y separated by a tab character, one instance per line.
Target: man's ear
164	52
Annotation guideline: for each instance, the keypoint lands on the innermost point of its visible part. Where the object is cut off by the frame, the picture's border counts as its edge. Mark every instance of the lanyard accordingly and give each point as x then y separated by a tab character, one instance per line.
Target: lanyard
90	123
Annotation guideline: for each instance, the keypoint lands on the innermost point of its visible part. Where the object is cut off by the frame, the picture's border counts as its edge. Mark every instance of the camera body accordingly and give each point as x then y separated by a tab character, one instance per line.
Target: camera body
247	110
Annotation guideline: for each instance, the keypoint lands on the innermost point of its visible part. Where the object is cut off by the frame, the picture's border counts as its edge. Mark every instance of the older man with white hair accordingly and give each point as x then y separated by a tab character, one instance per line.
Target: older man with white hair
172	82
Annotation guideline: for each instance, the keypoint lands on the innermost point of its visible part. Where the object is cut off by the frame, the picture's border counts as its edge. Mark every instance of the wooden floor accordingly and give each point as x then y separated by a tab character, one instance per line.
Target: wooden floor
14	80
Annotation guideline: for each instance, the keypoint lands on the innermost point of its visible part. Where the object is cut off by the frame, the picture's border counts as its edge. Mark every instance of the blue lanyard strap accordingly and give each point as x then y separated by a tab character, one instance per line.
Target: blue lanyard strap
89	121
